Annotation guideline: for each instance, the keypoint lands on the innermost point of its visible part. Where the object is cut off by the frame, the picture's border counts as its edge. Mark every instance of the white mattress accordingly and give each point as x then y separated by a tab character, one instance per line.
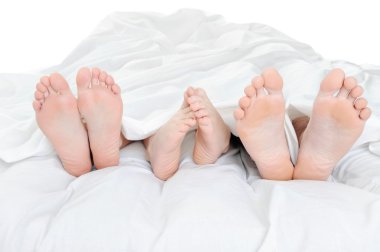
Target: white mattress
221	207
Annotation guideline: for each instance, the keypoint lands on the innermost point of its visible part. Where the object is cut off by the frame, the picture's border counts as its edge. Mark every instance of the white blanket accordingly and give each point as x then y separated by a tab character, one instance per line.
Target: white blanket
209	208
154	58
221	207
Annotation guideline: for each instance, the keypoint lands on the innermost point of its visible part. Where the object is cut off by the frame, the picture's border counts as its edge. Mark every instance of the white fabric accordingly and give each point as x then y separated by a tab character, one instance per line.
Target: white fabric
221	207
155	58
210	208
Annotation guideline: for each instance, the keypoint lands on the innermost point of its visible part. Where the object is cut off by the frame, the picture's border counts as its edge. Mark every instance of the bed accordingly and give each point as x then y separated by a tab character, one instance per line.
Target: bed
221	207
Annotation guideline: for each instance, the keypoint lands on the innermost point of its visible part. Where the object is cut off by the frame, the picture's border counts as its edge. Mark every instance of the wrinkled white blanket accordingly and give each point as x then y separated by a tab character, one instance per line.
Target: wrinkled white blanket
155	57
221	207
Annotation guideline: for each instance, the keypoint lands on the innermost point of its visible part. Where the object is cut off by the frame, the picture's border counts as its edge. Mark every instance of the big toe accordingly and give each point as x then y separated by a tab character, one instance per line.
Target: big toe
84	78
59	83
272	79
332	82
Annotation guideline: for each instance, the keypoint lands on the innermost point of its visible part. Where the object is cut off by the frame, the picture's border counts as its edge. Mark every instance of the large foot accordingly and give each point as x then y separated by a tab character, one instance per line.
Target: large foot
101	107
164	147
335	124
58	117
260	125
212	136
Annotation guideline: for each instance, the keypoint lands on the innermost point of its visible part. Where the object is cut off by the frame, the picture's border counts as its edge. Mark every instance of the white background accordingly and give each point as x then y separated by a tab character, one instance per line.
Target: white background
40	33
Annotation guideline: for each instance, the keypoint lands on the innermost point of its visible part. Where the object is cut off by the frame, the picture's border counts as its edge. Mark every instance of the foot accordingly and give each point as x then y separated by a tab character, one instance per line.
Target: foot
101	107
164	147
59	119
212	138
260	125
335	124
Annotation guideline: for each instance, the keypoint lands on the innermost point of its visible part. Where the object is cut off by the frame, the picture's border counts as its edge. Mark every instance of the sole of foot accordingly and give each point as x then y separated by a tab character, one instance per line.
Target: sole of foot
338	118
212	136
164	147
59	119
101	107
260	125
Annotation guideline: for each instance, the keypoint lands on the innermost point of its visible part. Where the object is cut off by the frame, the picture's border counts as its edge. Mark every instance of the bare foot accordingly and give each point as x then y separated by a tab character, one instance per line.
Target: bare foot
101	107
164	147
212	138
58	117
335	124
260	125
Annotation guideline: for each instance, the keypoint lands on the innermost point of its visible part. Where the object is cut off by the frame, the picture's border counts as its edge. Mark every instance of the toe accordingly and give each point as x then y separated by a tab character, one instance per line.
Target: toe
84	78
38	95
332	83
109	80
250	91
258	82
360	103
355	93
46	82
59	83
348	84
95	76
36	106
102	78
244	102
238	114
115	89
40	87
95	72
186	95
365	114
273	80
190	91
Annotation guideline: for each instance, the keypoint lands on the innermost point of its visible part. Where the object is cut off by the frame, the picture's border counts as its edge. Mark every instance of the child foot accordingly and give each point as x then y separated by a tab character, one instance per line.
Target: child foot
213	136
58	117
164	147
335	124
101	107
260	125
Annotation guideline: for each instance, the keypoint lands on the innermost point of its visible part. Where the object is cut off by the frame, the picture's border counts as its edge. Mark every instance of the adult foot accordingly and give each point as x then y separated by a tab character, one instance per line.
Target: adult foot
260	125
101	107
164	147
336	123
59	119
213	136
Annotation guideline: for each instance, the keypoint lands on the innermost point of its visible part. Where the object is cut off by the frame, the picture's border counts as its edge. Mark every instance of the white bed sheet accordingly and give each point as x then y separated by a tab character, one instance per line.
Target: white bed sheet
210	208
221	207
